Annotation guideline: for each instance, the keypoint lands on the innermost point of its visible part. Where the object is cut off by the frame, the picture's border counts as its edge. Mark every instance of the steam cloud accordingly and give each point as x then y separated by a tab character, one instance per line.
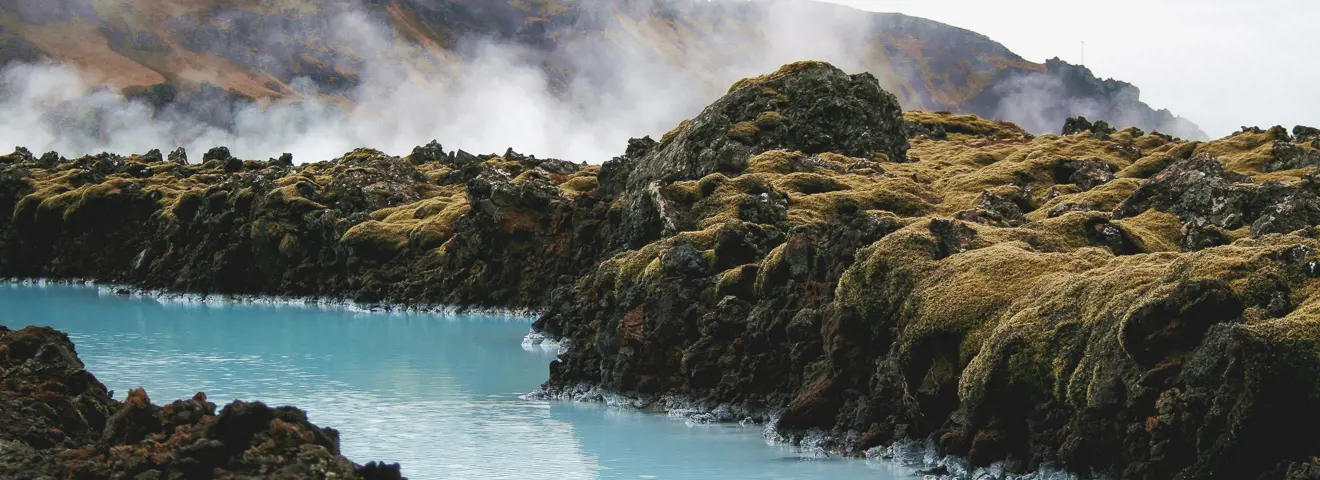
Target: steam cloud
501	98
1040	103
495	96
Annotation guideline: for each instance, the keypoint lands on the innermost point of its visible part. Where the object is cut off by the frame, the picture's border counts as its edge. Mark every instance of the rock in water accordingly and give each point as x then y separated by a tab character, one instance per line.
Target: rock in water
59	421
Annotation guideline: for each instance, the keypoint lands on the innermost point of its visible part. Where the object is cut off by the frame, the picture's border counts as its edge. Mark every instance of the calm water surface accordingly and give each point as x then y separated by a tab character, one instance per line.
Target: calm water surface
439	394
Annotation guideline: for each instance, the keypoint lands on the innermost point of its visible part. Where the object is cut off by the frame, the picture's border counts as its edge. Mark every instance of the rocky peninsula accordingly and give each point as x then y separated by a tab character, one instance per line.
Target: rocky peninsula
1104	301
58	421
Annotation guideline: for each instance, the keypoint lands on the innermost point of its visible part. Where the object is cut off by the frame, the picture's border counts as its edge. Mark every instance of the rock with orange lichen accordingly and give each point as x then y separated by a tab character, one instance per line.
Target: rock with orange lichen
57	420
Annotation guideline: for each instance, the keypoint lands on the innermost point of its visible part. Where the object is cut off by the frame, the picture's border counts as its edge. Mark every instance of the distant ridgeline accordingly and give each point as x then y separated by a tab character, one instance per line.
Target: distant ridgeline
287	48
1041	101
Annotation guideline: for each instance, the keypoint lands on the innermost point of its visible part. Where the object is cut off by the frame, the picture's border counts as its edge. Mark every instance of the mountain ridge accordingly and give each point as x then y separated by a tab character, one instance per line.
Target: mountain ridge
293	50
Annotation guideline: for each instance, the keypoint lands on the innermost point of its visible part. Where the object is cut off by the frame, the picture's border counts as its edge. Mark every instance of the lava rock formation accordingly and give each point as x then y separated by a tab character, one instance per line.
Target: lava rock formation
1104	301
58	421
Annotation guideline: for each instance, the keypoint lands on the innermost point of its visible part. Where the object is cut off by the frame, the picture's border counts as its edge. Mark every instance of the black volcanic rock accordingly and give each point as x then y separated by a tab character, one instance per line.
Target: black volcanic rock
1200	192
810	107
1079	124
59	421
1303	133
1288	155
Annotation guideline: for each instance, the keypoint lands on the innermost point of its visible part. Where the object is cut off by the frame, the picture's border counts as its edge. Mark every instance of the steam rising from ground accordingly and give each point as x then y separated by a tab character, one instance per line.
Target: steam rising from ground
492	96
500	97
497	103
1040	102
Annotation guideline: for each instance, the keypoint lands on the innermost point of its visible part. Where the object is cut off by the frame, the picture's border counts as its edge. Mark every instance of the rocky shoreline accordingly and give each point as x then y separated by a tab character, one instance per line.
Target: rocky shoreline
173	296
58	421
1111	302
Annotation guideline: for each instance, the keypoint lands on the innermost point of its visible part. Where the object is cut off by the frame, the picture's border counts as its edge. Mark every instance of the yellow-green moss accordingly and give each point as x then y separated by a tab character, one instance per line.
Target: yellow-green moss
783	71
773	161
1244	153
1104	198
1156	231
770	120
963	126
391	235
363	154
670	135
744	132
580	184
897	195
736	281
1036	307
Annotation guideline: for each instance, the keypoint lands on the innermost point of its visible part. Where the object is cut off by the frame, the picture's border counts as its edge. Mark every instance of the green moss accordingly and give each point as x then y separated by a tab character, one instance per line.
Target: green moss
1103	198
900	196
773	161
377	239
1156	231
288	200
959	171
739	281
770	120
1243	153
1035	309
961	126
744	132
670	135
361	154
783	71
581	184
771	265
809	183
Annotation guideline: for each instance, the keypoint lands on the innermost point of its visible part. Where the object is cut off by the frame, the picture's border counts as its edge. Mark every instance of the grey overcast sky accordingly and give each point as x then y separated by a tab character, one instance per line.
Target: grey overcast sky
1223	64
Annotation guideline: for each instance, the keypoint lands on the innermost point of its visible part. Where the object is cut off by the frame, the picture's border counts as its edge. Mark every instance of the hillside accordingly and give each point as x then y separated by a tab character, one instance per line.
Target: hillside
192	53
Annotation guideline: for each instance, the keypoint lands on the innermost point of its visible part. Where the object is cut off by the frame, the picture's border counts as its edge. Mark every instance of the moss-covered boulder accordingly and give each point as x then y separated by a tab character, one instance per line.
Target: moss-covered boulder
808	107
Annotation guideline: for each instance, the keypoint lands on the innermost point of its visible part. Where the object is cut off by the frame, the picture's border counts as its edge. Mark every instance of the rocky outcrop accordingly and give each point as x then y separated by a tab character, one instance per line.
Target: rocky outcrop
58	421
1105	301
808	107
363	227
1075	125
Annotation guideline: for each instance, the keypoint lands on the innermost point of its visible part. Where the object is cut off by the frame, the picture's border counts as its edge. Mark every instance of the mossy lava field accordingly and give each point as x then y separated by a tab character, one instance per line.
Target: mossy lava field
802	251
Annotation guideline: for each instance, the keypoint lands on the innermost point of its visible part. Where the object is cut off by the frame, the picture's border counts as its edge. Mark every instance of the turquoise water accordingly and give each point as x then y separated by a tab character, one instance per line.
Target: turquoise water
439	394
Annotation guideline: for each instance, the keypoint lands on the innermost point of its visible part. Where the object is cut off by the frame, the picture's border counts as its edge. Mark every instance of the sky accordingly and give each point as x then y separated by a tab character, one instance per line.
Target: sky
1223	64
